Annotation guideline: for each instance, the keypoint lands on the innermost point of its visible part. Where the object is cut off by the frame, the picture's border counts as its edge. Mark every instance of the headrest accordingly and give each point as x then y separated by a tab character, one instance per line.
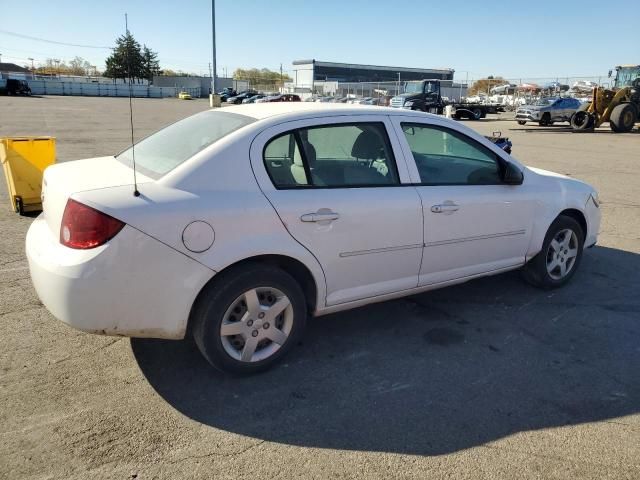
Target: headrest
368	146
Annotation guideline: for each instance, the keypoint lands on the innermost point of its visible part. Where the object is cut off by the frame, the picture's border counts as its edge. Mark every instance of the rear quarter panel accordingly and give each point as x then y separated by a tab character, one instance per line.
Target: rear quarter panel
217	187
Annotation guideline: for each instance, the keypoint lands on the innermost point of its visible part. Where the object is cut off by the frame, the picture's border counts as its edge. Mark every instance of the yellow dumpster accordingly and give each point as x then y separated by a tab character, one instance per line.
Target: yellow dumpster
23	161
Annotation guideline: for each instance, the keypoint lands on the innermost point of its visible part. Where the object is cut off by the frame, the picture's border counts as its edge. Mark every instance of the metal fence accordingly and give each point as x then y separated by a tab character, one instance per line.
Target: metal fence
54	87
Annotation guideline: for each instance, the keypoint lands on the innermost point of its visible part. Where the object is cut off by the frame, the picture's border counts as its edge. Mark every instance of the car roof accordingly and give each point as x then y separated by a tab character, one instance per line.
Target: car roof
300	110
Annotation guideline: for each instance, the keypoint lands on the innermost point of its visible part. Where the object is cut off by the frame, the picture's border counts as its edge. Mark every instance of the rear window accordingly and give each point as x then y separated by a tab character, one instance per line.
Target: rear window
163	151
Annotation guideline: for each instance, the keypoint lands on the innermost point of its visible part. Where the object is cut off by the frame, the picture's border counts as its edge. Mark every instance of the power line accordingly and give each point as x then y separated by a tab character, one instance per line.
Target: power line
38	39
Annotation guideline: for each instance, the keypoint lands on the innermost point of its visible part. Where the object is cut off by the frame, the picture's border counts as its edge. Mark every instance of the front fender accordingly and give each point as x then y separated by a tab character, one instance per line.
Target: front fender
557	194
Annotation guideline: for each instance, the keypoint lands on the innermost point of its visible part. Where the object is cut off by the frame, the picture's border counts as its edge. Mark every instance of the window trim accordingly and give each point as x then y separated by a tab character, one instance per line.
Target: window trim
498	159
296	133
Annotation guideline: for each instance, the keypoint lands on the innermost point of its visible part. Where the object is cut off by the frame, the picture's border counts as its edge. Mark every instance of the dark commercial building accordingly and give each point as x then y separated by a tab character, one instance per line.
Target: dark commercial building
307	72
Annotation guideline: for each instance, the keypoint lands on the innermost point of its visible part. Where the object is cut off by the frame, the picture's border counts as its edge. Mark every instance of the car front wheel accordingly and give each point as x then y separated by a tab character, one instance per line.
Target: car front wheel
560	256
249	318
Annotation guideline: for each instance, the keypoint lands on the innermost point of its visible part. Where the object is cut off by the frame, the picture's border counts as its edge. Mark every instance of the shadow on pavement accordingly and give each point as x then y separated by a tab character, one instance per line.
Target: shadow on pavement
434	373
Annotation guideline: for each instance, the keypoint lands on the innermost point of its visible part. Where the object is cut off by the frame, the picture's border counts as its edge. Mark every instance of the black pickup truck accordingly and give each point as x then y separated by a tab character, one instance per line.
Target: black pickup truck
426	95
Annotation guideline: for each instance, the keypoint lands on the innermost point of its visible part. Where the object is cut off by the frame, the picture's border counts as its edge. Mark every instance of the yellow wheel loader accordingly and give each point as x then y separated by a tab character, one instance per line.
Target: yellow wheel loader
620	106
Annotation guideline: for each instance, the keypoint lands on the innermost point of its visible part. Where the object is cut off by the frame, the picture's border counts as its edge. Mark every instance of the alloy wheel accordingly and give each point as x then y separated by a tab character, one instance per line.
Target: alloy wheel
256	324
562	254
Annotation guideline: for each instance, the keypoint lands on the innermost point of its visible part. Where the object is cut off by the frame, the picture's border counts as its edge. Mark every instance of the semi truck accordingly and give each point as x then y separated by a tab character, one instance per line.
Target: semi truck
426	95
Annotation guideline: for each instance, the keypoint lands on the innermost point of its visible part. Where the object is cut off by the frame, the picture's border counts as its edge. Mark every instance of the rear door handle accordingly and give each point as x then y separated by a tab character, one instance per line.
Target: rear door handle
445	208
320	216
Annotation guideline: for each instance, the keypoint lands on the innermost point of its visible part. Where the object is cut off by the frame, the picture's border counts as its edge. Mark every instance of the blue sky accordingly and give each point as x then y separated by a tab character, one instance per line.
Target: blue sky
512	39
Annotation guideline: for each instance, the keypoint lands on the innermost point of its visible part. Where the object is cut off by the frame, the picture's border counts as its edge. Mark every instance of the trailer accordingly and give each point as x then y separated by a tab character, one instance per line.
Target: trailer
426	96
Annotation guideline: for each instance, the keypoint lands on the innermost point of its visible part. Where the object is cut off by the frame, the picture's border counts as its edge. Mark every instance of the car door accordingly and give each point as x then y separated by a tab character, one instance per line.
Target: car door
473	222
340	192
559	110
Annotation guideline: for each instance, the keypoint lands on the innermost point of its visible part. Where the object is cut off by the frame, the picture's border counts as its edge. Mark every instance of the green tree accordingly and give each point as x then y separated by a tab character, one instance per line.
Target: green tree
126	59
150	64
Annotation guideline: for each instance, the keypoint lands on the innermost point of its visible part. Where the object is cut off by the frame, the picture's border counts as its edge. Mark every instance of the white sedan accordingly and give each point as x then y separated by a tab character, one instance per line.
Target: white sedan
251	218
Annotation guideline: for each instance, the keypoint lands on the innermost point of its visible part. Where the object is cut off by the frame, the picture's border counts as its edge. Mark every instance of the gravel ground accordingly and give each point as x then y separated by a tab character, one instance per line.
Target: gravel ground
490	379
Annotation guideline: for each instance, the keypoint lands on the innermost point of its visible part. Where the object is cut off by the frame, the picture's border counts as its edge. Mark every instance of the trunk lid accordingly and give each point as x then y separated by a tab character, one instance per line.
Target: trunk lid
62	180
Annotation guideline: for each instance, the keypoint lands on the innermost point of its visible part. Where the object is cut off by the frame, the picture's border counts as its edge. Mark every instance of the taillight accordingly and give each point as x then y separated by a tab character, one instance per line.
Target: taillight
85	227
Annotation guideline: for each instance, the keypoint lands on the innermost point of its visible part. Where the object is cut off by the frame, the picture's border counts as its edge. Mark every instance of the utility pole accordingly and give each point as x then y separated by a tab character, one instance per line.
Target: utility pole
31	64
398	83
0	58
213	98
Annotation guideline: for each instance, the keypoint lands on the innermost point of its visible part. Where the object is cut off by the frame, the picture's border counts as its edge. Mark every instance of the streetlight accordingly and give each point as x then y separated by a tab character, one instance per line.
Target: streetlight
213	99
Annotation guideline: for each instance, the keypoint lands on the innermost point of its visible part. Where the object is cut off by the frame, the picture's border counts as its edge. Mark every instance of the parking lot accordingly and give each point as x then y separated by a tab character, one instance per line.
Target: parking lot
489	379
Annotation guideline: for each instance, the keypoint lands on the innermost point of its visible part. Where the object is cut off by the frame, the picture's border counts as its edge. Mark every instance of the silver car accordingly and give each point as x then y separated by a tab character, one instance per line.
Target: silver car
546	111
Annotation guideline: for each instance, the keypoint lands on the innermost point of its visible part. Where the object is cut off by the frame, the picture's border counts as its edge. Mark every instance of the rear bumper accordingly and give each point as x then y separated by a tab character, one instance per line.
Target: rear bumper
132	286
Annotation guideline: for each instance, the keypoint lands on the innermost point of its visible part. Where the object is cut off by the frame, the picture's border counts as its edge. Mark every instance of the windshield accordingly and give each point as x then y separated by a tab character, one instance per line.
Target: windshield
413	87
626	76
165	150
545	101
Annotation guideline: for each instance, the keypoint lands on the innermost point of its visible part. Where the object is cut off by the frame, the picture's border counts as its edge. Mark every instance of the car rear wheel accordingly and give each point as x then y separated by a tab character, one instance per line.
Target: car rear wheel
560	256
521	122
477	113
249	318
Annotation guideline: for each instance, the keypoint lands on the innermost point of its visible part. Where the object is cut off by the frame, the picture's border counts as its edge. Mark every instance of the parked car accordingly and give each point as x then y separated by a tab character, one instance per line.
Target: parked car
12	86
227	93
548	110
283	97
265	98
584	86
254	98
556	87
237	100
248	220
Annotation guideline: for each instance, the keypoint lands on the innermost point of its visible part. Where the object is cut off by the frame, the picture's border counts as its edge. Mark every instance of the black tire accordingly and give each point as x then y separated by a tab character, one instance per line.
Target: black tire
477	113
535	271
219	295
457	116
623	118
582	121
521	122
545	121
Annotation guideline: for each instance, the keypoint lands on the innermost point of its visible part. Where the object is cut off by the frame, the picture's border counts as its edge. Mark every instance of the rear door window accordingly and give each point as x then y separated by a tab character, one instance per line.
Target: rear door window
343	155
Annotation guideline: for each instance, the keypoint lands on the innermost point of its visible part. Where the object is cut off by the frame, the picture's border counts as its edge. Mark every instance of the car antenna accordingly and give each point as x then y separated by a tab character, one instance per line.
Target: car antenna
136	193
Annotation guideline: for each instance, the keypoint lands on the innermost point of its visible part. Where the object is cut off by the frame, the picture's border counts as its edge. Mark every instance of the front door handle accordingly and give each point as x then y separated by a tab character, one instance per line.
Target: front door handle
445	208
322	215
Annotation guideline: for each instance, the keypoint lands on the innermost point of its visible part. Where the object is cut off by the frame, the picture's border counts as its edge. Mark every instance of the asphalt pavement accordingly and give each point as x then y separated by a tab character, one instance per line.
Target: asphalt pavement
489	379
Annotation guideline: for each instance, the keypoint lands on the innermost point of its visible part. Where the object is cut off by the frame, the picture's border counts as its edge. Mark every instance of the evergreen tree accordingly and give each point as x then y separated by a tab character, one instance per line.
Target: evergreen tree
126	58
150	64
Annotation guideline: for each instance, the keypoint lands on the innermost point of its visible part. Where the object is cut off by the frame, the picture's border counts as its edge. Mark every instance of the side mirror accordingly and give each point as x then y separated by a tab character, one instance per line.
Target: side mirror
512	175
